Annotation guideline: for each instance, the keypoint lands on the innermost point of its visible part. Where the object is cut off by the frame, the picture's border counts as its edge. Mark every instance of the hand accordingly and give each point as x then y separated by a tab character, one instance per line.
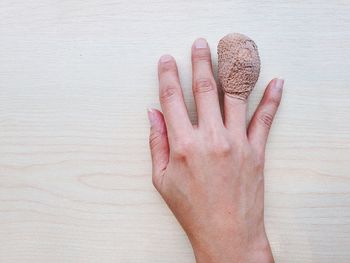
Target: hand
211	175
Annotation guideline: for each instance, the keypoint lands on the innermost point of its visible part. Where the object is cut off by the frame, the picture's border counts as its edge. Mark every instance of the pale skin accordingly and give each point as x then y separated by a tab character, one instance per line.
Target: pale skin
211	175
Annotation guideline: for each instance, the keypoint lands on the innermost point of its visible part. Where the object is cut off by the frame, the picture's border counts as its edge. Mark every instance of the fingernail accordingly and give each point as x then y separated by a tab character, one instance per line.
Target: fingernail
151	117
165	58
279	84
200	43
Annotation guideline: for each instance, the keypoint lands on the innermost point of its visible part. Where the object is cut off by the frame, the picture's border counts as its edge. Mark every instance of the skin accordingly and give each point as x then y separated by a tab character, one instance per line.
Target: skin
212	175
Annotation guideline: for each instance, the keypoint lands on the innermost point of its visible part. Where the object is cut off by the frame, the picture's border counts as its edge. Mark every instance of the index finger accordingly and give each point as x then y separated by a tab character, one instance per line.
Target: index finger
261	121
171	98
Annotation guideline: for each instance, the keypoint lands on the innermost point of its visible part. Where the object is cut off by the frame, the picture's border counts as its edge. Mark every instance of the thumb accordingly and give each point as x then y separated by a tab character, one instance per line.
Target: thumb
158	141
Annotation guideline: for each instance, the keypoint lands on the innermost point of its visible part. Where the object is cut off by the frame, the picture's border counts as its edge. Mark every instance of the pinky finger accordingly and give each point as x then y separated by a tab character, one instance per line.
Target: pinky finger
261	121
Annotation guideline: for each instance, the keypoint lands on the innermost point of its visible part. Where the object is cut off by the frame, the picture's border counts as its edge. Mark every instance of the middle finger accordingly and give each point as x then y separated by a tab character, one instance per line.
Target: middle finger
204	86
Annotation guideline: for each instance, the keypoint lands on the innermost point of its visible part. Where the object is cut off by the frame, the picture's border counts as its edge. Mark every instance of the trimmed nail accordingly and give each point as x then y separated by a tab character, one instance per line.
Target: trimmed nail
165	58
200	43
279	84
151	116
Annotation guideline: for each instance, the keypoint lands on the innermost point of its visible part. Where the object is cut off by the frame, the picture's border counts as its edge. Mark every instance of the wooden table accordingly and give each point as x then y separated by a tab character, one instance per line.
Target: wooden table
76	78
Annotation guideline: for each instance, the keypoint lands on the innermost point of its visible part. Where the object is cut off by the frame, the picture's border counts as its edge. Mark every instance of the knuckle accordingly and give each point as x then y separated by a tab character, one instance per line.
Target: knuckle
265	119
274	101
221	148
201	55
167	93
239	145
154	139
260	162
182	149
242	152
204	85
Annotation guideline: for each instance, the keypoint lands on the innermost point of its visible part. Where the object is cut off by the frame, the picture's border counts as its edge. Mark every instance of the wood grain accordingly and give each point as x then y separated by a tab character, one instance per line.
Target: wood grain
76	78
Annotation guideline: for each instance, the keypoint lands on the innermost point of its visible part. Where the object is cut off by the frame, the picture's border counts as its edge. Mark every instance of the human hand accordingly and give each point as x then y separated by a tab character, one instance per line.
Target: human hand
211	175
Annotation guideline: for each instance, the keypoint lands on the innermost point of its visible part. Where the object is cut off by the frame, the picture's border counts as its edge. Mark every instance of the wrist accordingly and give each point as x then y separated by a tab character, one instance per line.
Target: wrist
232	248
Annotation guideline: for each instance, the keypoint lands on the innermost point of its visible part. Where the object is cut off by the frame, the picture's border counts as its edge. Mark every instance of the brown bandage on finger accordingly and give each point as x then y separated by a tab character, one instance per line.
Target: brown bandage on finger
239	65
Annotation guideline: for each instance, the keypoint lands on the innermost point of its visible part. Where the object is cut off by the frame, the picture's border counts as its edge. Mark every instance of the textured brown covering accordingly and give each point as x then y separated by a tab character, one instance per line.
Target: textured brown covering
239	65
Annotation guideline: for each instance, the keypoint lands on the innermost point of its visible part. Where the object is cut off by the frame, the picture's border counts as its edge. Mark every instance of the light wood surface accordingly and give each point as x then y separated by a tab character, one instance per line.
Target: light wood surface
76	78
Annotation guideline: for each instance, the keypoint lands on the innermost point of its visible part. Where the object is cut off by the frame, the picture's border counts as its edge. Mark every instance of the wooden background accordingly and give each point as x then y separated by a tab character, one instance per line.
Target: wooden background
76	78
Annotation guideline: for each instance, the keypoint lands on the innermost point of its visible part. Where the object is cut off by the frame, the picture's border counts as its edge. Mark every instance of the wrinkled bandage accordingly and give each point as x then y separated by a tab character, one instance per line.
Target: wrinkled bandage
239	65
